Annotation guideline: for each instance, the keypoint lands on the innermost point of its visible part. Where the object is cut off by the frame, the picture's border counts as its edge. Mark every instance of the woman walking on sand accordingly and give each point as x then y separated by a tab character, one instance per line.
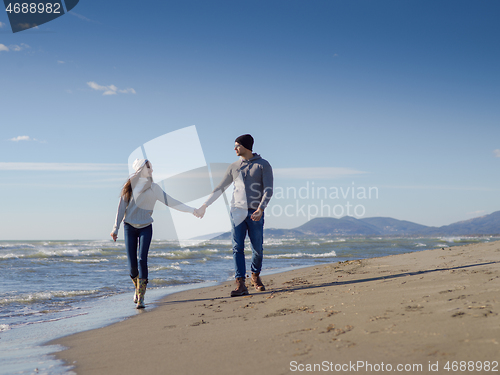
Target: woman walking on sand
137	199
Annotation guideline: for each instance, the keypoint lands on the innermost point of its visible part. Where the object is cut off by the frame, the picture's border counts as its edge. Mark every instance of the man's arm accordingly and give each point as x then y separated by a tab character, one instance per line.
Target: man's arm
267	184
267	193
219	189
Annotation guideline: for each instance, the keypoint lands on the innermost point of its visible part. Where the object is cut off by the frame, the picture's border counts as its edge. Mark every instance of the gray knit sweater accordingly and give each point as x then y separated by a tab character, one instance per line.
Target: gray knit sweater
253	183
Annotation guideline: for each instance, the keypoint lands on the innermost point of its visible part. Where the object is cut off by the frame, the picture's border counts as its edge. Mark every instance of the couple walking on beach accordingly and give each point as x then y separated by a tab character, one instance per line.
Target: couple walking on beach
253	187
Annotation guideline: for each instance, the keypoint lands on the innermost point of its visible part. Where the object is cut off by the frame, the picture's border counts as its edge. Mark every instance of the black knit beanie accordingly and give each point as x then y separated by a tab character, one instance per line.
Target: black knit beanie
245	140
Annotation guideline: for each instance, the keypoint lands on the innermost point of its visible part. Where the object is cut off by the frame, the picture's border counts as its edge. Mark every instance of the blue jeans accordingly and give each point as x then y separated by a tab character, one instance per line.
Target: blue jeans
138	239
255	231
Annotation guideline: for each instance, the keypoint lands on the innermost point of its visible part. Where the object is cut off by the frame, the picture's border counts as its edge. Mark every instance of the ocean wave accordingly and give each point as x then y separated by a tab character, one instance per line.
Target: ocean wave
16	246
331	254
183	254
165	254
451	239
10	256
173	266
47	254
273	242
47	320
45	296
336	240
4	327
420	244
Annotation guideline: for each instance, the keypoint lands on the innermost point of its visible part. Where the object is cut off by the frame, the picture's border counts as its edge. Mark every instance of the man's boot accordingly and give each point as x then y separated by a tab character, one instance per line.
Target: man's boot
257	282
241	288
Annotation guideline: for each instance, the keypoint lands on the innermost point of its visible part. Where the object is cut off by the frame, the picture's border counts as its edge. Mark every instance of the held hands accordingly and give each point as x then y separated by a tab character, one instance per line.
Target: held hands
257	215
200	212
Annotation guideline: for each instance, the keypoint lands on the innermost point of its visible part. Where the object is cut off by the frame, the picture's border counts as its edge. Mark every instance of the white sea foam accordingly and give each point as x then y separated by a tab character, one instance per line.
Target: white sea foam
44	296
173	266
11	256
88	260
4	327
451	239
302	255
179	254
273	242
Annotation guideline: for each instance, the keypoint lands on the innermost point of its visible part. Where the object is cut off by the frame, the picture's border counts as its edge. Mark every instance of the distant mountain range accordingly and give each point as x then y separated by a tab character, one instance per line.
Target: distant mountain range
386	226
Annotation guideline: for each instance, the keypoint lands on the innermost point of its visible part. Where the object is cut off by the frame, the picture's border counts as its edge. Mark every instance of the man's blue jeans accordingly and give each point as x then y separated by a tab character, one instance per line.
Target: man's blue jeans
137	242
239	231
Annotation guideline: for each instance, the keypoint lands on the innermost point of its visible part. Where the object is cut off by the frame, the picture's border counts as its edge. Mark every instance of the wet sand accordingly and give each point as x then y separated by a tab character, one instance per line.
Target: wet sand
414	312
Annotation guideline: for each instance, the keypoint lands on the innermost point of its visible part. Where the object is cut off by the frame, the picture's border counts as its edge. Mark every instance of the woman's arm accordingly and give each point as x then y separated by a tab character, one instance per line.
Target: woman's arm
122	207
167	200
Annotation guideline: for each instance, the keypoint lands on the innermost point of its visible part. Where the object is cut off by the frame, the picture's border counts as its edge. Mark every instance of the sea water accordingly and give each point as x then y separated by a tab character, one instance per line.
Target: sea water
51	289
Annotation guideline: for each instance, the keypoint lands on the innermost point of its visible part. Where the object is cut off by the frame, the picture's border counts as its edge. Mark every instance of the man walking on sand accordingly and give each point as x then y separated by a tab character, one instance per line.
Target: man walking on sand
253	187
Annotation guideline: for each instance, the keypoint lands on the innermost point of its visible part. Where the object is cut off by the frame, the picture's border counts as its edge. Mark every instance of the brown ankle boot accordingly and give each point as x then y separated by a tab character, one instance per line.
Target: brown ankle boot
257	282
241	288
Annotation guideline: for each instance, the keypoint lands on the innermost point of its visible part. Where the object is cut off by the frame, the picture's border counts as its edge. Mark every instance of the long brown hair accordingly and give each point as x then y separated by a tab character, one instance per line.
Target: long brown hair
126	192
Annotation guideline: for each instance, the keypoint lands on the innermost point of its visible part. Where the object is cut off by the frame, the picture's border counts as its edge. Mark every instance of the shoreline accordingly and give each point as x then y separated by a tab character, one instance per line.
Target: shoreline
422	308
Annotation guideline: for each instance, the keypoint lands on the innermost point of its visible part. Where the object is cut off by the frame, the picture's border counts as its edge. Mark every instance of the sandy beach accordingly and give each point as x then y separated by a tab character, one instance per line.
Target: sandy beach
415	313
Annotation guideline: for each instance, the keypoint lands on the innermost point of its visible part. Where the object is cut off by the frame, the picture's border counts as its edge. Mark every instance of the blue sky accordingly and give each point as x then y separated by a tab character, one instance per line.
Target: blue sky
402	95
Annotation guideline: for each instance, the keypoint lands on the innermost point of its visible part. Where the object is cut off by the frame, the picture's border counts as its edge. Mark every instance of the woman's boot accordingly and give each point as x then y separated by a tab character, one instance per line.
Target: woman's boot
136	283
141	291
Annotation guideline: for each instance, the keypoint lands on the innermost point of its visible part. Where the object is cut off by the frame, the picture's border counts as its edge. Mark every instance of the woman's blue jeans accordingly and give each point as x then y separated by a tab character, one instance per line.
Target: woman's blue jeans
137	243
255	231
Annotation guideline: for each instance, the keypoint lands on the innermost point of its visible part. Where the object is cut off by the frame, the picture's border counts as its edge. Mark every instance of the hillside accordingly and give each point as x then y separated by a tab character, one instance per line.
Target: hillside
386	226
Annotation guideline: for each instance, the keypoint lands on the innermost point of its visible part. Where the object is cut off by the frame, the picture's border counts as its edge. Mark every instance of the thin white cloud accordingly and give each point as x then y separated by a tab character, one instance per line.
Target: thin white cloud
80	16
17	48
20	138
2	25
496	153
60	167
110	90
315	172
61	62
25	138
14	47
127	91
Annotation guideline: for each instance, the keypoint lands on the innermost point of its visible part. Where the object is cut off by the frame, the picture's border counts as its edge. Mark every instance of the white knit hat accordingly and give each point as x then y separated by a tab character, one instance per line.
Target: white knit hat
138	164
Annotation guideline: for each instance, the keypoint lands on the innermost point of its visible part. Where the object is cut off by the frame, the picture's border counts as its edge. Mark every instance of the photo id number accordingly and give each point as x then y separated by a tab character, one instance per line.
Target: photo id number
33	8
